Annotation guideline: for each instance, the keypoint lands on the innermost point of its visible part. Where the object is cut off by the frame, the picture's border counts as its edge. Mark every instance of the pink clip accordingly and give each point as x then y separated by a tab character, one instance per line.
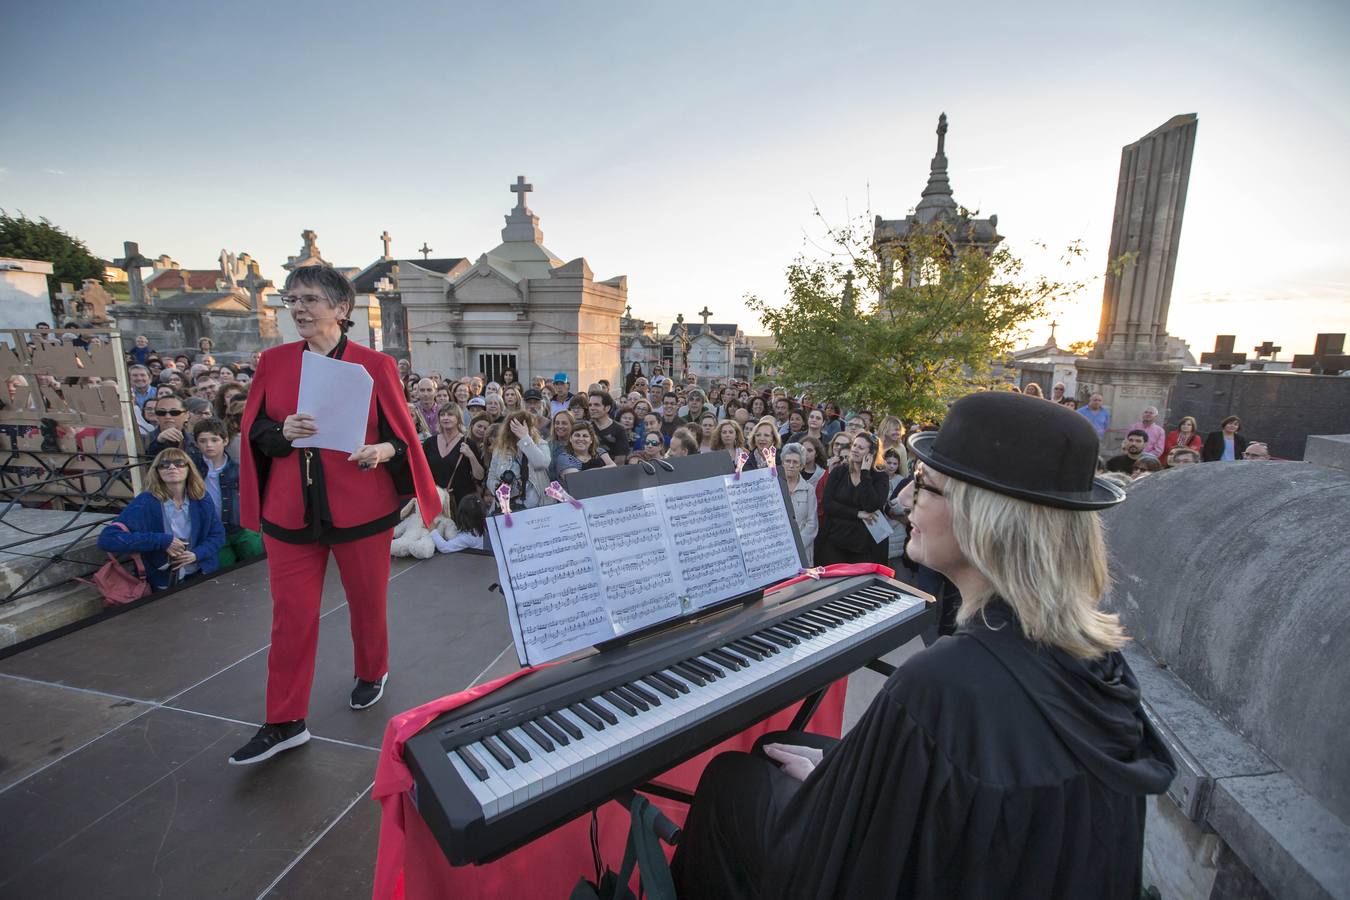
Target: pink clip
504	501
770	455
742	457
812	573
556	491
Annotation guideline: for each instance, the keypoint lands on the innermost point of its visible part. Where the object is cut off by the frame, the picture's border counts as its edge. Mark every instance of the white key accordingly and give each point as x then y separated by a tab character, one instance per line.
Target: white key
481	790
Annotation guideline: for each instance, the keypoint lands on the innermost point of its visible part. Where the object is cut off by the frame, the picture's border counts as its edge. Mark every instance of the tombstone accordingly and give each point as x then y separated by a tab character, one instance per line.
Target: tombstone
1223	358
93	302
67	298
1262	351
1328	356
132	263
385	239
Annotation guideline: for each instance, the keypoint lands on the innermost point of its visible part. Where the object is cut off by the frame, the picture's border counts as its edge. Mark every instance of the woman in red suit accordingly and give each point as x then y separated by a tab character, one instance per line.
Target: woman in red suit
1184	436
310	502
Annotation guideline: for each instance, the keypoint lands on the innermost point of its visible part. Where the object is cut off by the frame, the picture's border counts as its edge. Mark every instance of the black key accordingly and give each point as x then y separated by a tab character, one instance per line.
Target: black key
707	670
473	762
726	659
632	698
763	646
537	736
514	745
770	636
803	633
741	658
785	635
619	703
749	650
635	688
672	681
856	610
840	610
553	730
823	618
657	684
810	626
498	752
860	600
882	597
592	714
690	674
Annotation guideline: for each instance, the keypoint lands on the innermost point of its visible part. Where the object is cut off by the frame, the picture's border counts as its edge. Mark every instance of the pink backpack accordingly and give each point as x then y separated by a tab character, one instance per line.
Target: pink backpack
116	584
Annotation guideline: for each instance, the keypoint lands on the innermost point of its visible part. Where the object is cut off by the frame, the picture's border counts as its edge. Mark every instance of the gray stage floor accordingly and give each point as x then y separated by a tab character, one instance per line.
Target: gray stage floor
113	740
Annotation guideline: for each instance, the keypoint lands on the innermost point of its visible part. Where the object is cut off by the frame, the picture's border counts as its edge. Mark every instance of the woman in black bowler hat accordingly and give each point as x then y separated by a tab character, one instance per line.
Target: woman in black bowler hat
1010	759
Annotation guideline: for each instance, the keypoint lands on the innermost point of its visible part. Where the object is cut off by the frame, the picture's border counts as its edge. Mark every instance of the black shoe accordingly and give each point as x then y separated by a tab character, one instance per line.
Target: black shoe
368	693
269	741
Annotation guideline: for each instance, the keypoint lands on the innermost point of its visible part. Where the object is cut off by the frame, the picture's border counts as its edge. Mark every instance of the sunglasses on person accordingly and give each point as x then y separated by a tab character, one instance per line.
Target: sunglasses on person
172	464
170	412
653	442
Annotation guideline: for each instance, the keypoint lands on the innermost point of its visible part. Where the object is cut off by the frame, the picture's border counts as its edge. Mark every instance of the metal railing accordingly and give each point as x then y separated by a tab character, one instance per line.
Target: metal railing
98	489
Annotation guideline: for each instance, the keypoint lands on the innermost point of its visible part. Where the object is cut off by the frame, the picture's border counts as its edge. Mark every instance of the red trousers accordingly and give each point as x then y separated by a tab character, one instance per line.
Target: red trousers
296	572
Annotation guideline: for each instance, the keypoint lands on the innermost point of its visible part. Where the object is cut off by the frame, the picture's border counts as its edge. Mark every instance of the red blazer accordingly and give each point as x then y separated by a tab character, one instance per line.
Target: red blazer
271	488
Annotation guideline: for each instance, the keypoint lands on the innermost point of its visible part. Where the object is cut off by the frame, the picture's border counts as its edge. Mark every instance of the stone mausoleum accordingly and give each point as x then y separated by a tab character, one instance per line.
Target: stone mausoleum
518	306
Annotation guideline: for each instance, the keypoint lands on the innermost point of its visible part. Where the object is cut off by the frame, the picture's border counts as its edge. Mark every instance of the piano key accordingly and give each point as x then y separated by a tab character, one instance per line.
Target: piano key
540	739
474	764
515	746
799	630
632	698
487	794
726	659
753	652
762	643
635	688
514	789
689	674
559	736
627	735
657	684
619	703
539	773
597	709
498	752
779	638
861	604
670	680
593	745
704	664
821	618
839	609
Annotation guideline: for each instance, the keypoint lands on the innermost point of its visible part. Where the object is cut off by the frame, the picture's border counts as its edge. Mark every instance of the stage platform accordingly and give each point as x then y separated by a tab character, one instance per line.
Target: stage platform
113	740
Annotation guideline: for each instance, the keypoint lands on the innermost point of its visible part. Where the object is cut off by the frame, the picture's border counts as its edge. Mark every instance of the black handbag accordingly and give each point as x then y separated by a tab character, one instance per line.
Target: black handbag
644	851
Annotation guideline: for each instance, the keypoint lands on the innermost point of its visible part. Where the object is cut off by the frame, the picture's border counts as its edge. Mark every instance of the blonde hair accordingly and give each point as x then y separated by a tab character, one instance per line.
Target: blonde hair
506	438
1048	564
194	488
770	423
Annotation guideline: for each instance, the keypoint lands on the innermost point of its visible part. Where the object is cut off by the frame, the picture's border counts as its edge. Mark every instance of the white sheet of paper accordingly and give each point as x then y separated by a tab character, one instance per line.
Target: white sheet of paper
337	395
762	526
880	527
708	555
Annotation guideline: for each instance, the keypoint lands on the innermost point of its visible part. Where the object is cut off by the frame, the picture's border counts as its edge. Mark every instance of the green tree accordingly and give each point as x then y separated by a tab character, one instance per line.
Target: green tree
907	342
1081	348
24	238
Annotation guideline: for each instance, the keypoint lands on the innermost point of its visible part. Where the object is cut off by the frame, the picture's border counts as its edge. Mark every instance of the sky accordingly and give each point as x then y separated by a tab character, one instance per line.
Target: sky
688	145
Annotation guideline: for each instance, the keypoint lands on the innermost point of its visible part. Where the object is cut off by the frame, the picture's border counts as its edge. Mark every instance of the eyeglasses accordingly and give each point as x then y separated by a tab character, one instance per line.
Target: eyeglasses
919	485
173	464
169	412
303	300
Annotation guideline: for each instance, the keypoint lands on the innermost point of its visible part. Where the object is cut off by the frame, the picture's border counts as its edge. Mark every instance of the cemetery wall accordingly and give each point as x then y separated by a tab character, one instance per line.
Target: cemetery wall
236	334
1280	408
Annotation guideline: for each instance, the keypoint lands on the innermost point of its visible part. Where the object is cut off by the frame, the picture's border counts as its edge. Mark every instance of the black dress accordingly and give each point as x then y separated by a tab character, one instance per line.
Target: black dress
452	471
986	768
844	537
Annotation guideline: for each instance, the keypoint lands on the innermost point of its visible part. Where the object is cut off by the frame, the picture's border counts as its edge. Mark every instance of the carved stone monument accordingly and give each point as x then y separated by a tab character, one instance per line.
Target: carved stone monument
1128	365
132	263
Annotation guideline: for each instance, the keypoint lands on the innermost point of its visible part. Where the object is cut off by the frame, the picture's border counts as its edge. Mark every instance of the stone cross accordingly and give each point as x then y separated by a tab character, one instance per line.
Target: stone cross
384	286
67	298
1223	358
706	314
1328	356
93	301
1267	349
520	189
628	311
384	236
424	250
255	284
132	262
1054	323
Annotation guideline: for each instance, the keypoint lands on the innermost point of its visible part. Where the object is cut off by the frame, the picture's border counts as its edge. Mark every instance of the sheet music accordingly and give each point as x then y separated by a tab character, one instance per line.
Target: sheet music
634	557
556	603
702	531
762	525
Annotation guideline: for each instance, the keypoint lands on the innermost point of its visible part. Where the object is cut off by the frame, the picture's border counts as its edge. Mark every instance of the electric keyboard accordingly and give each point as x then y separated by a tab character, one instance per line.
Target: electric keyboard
553	744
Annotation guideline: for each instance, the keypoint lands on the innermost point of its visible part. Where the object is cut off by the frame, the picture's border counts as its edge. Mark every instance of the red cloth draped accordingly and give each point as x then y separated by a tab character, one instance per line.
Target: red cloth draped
410	863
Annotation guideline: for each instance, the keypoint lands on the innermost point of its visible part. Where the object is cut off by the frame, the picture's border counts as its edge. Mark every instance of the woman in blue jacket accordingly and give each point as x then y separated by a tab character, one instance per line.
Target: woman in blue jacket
172	523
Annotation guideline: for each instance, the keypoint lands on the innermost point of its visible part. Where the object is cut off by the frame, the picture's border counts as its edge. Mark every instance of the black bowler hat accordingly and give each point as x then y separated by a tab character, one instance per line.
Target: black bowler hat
1021	446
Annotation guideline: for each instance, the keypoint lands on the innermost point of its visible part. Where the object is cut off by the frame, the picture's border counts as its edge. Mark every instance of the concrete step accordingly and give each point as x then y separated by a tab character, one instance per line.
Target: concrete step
40	613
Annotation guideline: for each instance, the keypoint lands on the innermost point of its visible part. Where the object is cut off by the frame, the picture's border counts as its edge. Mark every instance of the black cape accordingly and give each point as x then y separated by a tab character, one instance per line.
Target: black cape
986	767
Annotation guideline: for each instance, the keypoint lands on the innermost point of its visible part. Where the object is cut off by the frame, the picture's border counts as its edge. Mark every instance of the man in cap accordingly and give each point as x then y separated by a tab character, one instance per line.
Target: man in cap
561	395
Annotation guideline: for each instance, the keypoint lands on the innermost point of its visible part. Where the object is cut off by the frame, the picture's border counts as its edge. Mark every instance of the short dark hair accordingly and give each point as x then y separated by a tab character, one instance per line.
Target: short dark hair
670	395
605	399
211	426
469	515
1227	419
334	284
1139	431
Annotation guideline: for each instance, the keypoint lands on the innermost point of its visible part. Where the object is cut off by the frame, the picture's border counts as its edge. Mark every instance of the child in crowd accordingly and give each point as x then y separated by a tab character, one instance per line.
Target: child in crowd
221	474
472	524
